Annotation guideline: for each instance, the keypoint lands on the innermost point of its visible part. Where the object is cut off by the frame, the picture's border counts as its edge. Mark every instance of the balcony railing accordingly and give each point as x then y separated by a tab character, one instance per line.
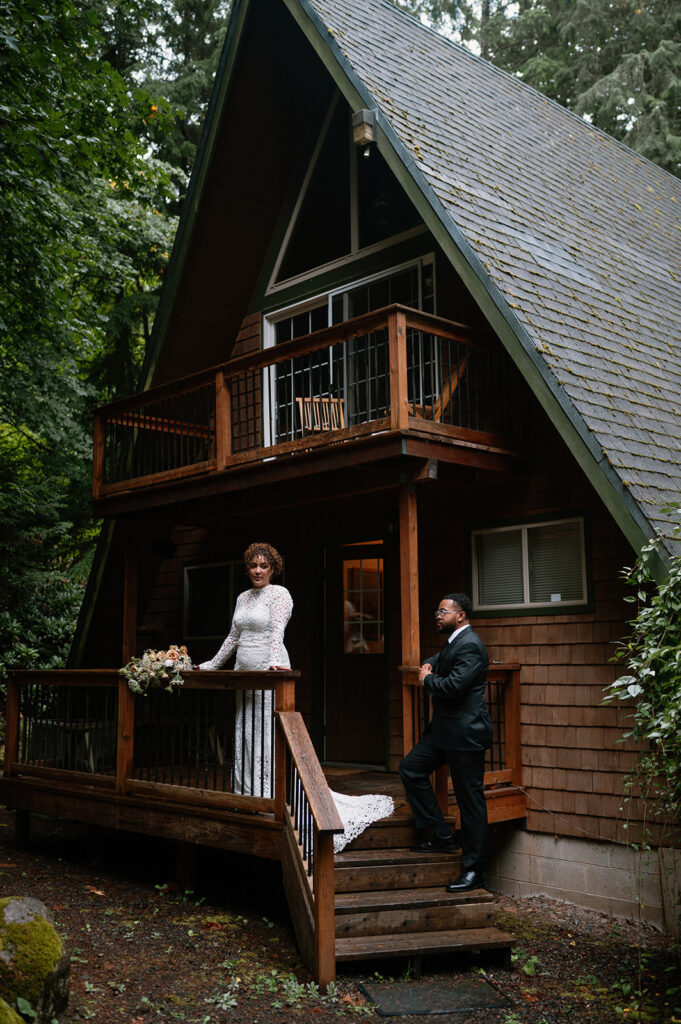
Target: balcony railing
394	369
193	746
503	759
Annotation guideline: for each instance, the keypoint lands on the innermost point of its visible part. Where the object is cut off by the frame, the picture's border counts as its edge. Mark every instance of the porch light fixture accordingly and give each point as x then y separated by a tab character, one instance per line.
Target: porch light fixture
364	129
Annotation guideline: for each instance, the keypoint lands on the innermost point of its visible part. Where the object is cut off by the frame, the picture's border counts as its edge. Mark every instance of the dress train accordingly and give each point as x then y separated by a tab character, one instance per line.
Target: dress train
357	813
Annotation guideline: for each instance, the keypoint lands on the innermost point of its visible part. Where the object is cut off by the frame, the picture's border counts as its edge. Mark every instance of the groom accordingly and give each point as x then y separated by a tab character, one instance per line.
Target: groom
458	735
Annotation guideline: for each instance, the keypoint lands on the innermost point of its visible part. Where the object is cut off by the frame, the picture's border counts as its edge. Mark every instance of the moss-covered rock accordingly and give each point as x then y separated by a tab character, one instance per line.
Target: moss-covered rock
32	961
8	1015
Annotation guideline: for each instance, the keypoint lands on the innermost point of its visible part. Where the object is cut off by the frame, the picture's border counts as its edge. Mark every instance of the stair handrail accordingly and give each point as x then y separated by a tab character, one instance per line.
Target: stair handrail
311	820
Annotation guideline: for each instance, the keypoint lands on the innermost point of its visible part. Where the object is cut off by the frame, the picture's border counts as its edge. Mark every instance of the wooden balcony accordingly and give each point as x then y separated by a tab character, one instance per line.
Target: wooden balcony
360	386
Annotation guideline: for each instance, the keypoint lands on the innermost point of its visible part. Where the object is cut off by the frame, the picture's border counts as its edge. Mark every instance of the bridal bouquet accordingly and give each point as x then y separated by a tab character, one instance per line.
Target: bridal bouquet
157	670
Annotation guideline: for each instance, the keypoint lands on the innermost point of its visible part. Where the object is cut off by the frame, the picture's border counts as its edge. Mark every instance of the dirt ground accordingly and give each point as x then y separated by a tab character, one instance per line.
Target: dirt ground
147	951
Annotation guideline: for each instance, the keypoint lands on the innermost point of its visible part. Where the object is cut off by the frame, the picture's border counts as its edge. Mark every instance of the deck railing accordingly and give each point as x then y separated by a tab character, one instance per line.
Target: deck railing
503	760
394	369
310	822
193	746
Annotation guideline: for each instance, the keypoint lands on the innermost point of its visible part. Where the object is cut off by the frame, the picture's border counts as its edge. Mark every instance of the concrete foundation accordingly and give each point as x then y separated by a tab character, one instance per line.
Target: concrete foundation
612	879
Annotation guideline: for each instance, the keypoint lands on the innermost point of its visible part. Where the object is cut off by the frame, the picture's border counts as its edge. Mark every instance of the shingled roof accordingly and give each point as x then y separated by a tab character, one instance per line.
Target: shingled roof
571	239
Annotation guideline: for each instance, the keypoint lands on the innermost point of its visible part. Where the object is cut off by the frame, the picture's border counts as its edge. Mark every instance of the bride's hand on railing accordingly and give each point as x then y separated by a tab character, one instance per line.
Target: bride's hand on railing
278	668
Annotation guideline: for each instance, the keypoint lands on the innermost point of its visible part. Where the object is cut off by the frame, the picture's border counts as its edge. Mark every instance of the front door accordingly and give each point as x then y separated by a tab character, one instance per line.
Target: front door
356	665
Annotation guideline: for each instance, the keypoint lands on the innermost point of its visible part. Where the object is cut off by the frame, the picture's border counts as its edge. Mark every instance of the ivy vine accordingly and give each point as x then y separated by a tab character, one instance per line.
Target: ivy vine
652	654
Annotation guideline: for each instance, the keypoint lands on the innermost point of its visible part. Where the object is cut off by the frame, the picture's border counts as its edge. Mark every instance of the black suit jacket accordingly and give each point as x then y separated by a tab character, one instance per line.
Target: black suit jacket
460	719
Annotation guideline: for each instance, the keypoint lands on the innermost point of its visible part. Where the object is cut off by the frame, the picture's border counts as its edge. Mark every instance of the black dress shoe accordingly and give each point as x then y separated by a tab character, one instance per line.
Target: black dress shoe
466	881
437	844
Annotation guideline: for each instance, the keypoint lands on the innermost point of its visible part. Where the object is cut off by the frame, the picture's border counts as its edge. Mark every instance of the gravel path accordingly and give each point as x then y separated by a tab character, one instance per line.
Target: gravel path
146	952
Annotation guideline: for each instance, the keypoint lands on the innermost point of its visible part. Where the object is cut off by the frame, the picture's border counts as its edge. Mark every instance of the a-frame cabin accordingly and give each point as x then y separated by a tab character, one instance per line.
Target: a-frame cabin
408	339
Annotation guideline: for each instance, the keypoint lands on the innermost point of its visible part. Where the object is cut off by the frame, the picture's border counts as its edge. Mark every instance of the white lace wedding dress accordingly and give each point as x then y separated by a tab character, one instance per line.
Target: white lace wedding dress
257	633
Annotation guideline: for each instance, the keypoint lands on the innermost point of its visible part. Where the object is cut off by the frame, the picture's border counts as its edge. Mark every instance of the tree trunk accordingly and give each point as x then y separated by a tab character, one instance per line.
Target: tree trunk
484	19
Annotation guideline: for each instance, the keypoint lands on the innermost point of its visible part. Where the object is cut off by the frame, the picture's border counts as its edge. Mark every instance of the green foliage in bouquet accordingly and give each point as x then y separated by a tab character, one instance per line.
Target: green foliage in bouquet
157	670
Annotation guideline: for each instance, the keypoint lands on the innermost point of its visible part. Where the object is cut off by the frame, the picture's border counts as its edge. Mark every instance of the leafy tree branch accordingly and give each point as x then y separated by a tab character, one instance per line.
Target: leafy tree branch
652	683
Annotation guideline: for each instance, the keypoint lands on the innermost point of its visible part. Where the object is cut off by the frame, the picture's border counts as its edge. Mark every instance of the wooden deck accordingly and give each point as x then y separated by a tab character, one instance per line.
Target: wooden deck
505	801
79	746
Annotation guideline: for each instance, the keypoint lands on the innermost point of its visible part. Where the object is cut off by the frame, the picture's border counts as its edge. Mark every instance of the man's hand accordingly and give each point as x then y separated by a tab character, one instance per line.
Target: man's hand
425	670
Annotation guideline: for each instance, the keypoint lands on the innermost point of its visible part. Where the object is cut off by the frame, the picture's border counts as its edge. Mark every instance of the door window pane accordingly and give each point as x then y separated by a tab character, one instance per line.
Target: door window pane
363	606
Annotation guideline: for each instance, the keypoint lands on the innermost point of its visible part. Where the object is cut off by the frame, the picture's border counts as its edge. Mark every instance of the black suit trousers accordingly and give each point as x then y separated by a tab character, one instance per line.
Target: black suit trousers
467	768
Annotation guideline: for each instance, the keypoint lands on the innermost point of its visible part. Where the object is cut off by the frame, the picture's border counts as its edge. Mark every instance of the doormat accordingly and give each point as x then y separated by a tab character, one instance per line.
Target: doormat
398	999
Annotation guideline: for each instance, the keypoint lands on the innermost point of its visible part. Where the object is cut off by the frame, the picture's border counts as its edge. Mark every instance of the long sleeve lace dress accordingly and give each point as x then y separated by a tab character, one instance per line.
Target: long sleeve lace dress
257	634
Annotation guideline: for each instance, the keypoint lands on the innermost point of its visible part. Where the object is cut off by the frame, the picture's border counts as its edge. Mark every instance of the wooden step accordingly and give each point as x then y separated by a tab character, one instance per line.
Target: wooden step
391	899
363	870
379	947
365	858
411	910
396	831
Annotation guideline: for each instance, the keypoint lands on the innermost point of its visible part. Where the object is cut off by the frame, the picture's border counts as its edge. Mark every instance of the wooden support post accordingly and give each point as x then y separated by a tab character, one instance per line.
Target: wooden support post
513	753
22	828
11	725
223	421
284	700
324	911
285	695
126	733
397	350
411	653
185	865
98	452
409	576
130	571
409	592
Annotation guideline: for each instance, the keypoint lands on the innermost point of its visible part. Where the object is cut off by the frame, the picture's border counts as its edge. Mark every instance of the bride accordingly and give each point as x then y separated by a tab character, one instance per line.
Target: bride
257	634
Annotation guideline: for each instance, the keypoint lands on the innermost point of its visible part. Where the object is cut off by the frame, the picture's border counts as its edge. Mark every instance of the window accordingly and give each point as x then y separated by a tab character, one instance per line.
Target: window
529	566
321	232
210	593
357	374
349	202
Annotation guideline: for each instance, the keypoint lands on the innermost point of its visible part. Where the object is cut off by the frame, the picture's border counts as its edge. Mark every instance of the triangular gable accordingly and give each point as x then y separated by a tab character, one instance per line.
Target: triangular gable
536	211
568	241
348	203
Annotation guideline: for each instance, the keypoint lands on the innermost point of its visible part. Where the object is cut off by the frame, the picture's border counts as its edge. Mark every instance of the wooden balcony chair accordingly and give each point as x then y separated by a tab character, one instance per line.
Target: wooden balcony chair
319	414
436	411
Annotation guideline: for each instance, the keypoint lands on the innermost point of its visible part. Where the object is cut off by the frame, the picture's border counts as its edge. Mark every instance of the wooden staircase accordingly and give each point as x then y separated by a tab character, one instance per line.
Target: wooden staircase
391	901
378	898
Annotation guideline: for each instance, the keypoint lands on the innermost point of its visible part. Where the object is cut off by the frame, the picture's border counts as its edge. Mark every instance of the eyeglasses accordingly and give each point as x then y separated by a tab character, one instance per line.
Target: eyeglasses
440	612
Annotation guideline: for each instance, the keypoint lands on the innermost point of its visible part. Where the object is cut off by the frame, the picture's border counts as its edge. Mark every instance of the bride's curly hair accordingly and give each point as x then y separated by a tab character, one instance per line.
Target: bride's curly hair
266	551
